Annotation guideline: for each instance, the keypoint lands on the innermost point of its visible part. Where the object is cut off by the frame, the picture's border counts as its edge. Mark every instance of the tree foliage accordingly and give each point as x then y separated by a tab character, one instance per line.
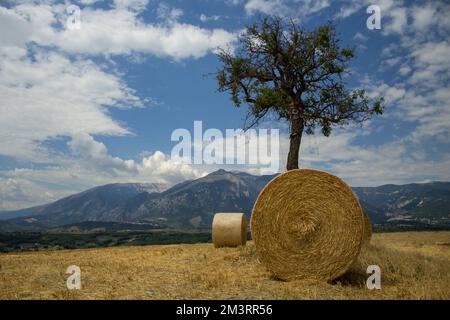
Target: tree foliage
298	75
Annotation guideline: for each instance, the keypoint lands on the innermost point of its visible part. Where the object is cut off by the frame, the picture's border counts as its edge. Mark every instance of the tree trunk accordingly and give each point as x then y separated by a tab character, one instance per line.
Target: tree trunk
297	126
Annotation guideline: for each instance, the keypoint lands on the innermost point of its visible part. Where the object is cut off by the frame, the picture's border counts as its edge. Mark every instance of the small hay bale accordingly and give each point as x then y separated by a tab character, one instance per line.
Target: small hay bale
367	228
307	224
229	230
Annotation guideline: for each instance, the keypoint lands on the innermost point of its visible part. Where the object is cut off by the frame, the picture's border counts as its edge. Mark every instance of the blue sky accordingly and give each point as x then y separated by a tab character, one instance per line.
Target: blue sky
98	104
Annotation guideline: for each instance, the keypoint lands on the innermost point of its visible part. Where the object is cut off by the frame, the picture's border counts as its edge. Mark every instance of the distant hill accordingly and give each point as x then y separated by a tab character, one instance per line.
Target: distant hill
192	204
422	201
90	205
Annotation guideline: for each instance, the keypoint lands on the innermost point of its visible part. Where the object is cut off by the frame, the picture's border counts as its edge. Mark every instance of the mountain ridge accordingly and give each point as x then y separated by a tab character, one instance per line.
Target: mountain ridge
192	203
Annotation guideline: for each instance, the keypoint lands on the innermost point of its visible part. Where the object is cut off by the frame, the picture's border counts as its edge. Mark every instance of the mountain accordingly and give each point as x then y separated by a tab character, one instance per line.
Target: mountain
192	204
93	204
419	201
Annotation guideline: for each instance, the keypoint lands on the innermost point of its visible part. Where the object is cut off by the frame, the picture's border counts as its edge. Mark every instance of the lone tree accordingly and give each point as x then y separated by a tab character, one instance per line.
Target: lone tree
298	75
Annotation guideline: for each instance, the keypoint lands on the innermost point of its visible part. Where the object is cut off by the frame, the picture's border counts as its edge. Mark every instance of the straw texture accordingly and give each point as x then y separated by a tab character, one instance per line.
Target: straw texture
307	224
229	230
367	228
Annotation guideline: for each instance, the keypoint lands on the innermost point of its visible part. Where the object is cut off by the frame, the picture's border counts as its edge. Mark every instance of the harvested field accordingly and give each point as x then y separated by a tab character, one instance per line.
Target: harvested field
414	265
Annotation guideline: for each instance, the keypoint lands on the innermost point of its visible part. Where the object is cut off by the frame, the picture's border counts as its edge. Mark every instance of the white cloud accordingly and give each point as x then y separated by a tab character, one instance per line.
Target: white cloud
46	95
95	154
88	2
205	18
359	36
27	22
156	167
119	30
434	54
22	193
138	5
296	8
405	69
398	20
165	12
391	162
421	55
398	17
162	168
349	8
266	6
423	17
91	165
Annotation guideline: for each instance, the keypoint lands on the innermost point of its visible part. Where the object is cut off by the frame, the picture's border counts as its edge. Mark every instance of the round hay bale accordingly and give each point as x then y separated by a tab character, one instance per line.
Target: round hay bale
229	230
307	224
367	228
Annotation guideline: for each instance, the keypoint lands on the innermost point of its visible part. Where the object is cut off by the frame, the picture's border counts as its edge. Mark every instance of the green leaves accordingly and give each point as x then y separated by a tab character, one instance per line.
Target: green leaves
281	68
270	98
348	53
379	106
324	36
326	128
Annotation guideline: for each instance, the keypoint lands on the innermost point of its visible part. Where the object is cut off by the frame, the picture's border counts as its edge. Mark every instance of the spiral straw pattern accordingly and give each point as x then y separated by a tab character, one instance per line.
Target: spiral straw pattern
307	224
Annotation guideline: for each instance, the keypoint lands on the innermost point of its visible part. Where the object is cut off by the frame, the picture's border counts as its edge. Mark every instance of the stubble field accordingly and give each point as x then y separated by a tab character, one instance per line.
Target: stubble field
414	265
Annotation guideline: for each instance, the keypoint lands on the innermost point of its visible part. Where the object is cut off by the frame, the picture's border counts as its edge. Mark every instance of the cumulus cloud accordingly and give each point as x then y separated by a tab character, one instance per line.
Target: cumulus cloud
398	20
426	71
398	161
120	33
165	12
423	17
349	8
137	5
168	170
45	95
290	8
398	17
91	165
118	30
19	193
95	154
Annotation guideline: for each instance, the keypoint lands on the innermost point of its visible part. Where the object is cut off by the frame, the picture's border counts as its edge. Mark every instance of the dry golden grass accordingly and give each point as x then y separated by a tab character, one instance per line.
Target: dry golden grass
414	265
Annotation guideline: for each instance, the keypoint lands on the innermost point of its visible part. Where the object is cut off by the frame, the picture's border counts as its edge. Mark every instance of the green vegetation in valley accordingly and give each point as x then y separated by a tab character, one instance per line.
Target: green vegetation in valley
38	241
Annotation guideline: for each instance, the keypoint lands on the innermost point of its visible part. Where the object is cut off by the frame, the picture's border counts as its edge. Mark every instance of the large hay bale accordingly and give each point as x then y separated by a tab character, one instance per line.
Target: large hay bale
229	230
307	224
367	228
